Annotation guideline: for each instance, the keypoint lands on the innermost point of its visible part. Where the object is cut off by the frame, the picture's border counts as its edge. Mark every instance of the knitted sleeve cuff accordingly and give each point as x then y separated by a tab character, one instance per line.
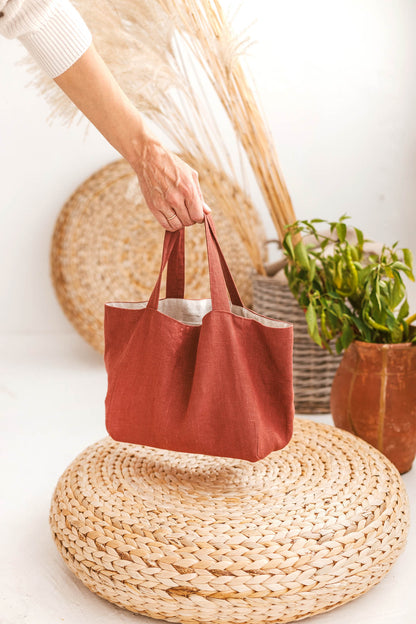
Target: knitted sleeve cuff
60	39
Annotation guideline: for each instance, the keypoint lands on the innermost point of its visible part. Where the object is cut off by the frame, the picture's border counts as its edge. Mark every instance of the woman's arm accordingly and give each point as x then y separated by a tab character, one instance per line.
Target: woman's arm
168	184
59	40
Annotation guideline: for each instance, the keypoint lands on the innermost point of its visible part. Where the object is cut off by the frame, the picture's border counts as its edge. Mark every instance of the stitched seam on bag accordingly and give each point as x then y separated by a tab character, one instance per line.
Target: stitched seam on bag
113	393
257	439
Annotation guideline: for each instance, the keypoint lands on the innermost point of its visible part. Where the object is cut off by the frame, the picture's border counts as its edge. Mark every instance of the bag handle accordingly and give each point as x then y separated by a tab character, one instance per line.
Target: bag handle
220	276
175	277
174	256
218	271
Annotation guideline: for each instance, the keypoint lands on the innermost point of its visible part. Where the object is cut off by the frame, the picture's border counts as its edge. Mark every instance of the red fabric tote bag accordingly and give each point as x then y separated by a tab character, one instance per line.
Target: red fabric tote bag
199	376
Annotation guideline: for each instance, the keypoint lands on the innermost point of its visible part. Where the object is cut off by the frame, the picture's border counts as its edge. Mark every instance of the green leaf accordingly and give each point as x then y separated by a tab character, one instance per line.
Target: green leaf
408	258
360	237
347	335
399	266
311	319
390	320
397	292
324	326
312	322
288	246
377	293
341	231
360	325
397	333
339	272
354	253
338	345
301	255
312	271
364	330
374	299
404	310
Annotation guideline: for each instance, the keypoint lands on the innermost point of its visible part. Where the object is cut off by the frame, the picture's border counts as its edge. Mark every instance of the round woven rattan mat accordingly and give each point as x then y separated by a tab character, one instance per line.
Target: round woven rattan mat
192	538
107	246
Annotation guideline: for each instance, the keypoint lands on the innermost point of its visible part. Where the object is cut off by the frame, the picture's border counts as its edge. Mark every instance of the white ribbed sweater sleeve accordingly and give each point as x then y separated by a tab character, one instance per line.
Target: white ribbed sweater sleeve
52	31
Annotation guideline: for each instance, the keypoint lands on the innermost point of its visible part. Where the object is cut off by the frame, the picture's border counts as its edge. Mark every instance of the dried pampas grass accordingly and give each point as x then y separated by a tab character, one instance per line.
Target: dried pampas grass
156	49
206	31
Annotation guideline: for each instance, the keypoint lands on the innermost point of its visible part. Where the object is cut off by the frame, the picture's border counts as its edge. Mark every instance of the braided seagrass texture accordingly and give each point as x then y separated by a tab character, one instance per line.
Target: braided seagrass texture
107	246
198	539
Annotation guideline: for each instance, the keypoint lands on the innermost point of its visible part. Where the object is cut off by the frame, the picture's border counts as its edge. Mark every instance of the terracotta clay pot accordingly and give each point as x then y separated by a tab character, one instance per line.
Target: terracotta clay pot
374	396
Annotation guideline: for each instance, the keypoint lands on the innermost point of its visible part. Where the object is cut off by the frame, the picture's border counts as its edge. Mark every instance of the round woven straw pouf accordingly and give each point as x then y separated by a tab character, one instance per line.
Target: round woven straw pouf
107	246
192	538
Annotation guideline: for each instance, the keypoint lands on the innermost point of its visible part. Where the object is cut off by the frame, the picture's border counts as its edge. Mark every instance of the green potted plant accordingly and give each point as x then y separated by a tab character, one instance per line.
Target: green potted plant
357	301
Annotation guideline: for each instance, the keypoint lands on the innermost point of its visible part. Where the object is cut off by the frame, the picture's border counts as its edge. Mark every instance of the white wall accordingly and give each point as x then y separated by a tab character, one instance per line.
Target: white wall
338	86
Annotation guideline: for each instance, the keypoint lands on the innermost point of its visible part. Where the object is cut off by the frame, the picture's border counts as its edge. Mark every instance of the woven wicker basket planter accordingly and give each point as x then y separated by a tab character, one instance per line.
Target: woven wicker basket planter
197	539
313	368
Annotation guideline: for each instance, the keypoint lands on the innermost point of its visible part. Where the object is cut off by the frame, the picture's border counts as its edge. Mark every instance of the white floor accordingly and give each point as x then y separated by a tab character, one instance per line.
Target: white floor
52	390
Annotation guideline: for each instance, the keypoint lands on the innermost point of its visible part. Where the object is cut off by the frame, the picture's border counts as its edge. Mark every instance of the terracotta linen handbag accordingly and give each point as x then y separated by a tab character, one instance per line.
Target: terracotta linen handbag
202	376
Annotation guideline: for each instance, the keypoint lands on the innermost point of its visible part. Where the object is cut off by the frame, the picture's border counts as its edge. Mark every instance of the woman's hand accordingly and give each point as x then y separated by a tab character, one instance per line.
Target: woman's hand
170	187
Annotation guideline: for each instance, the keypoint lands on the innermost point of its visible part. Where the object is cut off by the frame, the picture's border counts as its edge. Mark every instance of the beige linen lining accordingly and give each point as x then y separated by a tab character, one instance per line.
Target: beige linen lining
192	311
